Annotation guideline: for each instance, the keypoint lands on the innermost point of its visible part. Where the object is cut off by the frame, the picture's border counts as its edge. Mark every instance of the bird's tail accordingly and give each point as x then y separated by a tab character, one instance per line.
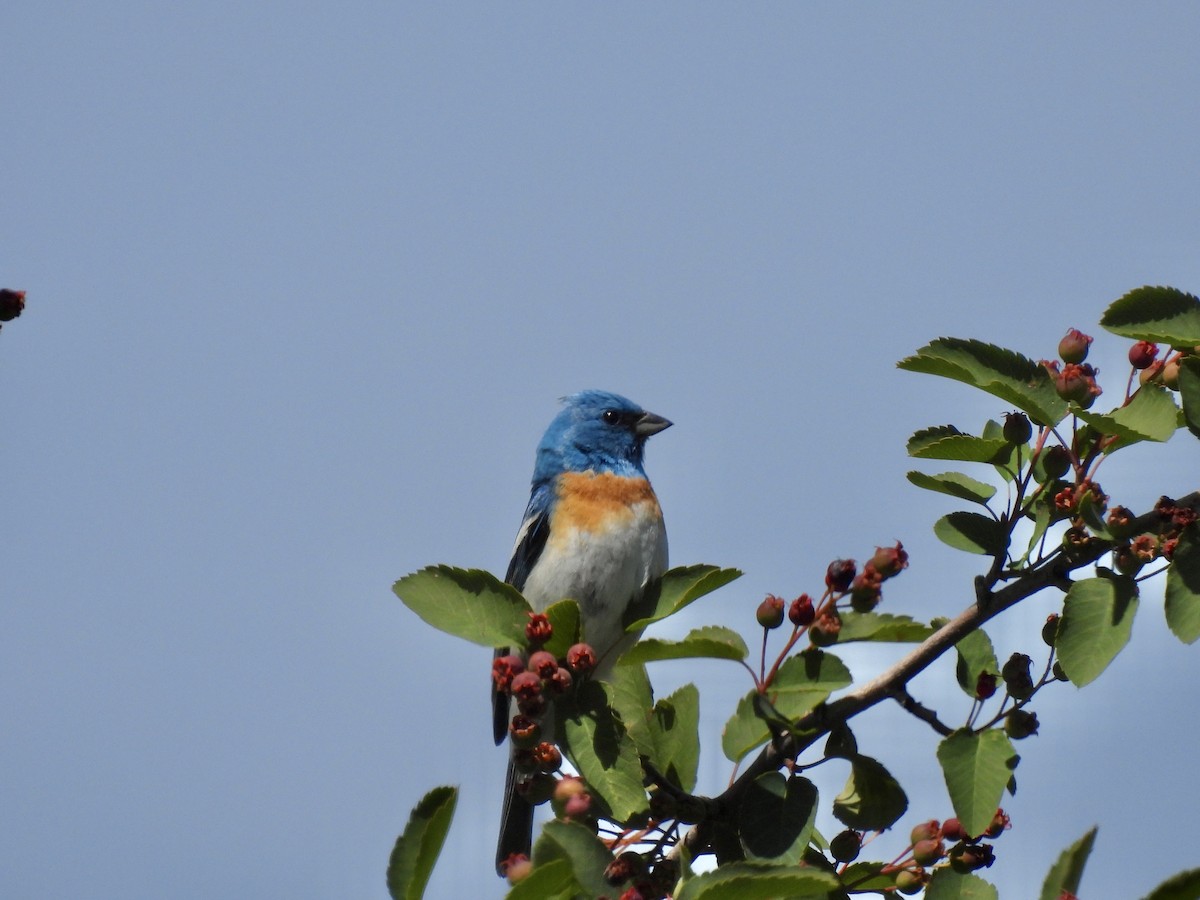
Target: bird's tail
516	822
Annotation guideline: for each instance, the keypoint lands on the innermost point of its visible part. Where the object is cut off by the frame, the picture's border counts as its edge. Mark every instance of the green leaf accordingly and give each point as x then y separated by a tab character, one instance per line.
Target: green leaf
947	442
882	627
946	884
993	430
1067	872
1160	314
1002	373
632	698
579	846
802	682
564	619
1183	588
955	484
1096	623
709	642
1150	415
598	746
418	847
776	817
550	881
975	656
870	876
872	799
753	881
675	590
1189	392
972	532
1184	886
676	736
467	603
976	768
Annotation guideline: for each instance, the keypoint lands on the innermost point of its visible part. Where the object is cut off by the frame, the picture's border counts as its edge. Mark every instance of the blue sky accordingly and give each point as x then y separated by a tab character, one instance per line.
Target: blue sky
305	284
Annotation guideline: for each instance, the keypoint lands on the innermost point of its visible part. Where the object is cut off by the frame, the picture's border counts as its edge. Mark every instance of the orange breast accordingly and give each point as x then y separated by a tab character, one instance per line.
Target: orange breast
597	502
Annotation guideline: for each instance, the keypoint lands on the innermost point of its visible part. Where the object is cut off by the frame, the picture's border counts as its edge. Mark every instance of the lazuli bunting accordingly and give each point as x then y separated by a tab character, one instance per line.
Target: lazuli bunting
593	532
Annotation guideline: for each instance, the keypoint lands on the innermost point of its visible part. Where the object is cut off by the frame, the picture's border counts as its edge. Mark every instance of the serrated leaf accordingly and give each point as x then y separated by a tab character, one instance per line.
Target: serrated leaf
675	728
975	656
947	442
872	799
955	484
751	881
467	603
882	627
1067	871
708	642
564	619
1189	392
601	750
946	884
976	768
632	698
417	849
1183	588
972	532
1159	314
1002	373
581	848
1096	622
802	682
776	817
676	589
550	881
1150	415
1184	886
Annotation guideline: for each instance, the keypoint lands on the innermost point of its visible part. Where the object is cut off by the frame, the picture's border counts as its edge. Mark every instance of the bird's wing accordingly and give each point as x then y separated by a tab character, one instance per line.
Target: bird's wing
531	540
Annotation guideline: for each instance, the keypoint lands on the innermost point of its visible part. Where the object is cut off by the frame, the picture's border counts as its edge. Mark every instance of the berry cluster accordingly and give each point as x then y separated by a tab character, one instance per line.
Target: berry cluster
928	850
532	683
821	619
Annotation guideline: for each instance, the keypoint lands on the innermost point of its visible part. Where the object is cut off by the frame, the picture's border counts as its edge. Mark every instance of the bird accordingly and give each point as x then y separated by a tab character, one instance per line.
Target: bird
593	532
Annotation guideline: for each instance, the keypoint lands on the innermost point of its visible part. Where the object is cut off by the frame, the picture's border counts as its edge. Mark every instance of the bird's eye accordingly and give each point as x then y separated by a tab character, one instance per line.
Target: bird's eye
611	416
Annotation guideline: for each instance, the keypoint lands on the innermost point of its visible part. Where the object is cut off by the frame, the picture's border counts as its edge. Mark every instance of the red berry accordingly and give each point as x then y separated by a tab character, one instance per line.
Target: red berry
524	731
1142	354
985	686
516	868
839	575
504	669
543	663
581	659
538	629
952	830
560	681
801	613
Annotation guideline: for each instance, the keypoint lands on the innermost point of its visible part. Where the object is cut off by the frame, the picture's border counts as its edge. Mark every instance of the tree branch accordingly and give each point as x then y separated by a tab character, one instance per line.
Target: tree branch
1055	571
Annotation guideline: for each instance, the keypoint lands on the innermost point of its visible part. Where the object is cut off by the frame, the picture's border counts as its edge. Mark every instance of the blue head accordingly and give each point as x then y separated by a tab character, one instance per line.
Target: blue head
599	431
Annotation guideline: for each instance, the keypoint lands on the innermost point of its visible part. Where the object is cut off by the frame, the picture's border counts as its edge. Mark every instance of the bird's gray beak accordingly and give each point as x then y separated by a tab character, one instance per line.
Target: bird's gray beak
648	424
